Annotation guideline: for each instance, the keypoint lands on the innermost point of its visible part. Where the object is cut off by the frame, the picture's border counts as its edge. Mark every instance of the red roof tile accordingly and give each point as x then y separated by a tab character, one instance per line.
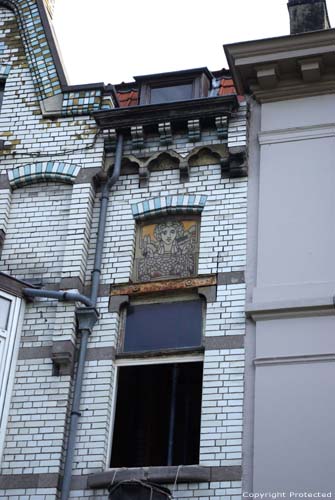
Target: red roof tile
226	87
128	98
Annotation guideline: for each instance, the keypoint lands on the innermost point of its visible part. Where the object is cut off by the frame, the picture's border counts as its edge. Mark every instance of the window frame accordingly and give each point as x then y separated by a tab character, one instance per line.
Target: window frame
11	337
199	79
159	299
154	357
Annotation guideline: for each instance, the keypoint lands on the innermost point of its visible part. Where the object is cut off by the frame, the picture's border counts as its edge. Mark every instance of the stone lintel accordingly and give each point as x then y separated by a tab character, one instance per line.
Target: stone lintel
163	286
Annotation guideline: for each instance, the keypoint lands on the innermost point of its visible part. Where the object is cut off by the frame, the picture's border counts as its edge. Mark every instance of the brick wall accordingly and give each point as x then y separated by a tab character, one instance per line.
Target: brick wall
51	234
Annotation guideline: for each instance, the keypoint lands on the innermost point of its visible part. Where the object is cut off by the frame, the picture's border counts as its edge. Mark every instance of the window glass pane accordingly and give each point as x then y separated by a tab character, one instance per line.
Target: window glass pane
157	419
163	326
172	93
4	312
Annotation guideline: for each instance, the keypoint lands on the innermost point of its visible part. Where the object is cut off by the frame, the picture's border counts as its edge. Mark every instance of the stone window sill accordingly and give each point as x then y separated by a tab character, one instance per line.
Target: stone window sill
165	475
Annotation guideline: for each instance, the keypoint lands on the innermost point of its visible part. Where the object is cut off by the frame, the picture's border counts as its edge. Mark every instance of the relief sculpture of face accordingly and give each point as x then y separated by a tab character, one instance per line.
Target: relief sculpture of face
168	236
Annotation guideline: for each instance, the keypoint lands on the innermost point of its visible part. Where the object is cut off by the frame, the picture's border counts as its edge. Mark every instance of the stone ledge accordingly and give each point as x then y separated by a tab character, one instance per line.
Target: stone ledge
224	342
166	475
28	481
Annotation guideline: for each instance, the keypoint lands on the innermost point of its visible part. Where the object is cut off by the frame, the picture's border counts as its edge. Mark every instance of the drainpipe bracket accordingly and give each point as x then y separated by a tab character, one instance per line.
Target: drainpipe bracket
86	317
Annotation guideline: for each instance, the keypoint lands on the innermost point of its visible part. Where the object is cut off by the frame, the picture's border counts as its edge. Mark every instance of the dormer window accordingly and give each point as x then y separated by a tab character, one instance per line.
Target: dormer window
172	87
171	93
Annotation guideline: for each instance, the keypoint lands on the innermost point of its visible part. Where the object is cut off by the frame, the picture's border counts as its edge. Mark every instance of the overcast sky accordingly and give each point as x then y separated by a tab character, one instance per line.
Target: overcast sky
111	41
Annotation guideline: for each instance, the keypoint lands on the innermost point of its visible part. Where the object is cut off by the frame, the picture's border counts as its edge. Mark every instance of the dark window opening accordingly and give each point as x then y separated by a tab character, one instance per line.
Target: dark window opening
172	93
2	90
166	325
157	419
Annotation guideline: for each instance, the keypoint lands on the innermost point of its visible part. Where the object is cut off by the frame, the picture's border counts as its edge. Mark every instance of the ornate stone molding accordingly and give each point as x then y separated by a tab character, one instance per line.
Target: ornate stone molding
44	171
211	154
165	205
165	133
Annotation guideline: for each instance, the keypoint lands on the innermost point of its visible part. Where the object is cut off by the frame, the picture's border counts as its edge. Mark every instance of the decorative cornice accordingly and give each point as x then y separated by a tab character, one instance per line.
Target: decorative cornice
150	114
289	360
286	67
297	134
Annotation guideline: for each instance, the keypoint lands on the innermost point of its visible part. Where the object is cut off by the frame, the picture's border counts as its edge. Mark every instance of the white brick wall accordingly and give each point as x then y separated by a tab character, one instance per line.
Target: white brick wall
36	232
51	234
222	407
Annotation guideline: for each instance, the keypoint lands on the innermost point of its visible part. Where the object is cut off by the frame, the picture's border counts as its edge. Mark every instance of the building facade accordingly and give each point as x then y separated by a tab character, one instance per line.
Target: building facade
122	289
288	432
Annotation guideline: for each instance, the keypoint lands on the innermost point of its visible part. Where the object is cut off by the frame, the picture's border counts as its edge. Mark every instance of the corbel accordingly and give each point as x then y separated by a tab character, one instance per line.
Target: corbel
311	69
221	123
194	131
184	170
235	165
116	302
109	136
62	356
208	292
267	76
137	136
144	174
165	133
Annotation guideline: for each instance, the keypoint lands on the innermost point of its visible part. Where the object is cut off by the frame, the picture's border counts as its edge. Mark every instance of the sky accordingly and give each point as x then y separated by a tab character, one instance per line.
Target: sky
111	41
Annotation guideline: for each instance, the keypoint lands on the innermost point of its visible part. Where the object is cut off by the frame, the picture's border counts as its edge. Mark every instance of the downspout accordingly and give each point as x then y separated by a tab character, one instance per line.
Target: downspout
86	316
86	330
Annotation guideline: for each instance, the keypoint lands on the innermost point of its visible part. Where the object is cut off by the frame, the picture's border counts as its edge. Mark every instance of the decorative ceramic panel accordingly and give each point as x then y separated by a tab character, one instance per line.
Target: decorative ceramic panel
167	248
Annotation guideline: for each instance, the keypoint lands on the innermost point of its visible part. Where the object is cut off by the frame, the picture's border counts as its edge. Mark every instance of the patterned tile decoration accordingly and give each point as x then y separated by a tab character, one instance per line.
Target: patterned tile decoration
80	103
167	205
43	171
4	70
41	62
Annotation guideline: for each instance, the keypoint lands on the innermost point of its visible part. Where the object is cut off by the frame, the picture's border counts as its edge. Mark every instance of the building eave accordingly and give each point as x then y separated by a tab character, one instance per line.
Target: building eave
285	67
127	117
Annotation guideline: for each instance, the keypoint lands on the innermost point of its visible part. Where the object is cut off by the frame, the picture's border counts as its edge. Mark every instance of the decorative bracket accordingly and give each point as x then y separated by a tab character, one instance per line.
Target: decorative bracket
144	174
116	301
62	356
184	170
109	136
194	132
221	123
236	164
165	133
137	136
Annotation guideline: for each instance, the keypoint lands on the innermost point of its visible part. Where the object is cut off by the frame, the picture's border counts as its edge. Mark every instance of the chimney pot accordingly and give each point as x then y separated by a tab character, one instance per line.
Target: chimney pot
308	15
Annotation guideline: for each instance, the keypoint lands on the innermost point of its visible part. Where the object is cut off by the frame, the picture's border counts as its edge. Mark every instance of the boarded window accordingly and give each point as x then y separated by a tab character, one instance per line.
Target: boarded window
157	419
167	325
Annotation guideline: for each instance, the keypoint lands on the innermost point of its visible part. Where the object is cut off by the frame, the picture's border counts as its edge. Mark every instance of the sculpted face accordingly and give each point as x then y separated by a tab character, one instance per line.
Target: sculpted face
168	235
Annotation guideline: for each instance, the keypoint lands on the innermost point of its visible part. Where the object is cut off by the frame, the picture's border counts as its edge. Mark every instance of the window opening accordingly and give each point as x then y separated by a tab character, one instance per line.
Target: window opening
4	312
157	420
171	93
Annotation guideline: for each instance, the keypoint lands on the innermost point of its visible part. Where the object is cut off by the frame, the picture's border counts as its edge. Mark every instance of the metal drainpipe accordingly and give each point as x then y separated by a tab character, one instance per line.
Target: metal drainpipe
60	295
85	332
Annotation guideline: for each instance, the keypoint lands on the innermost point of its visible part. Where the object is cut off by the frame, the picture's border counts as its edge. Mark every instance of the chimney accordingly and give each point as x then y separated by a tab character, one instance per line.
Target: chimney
308	15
